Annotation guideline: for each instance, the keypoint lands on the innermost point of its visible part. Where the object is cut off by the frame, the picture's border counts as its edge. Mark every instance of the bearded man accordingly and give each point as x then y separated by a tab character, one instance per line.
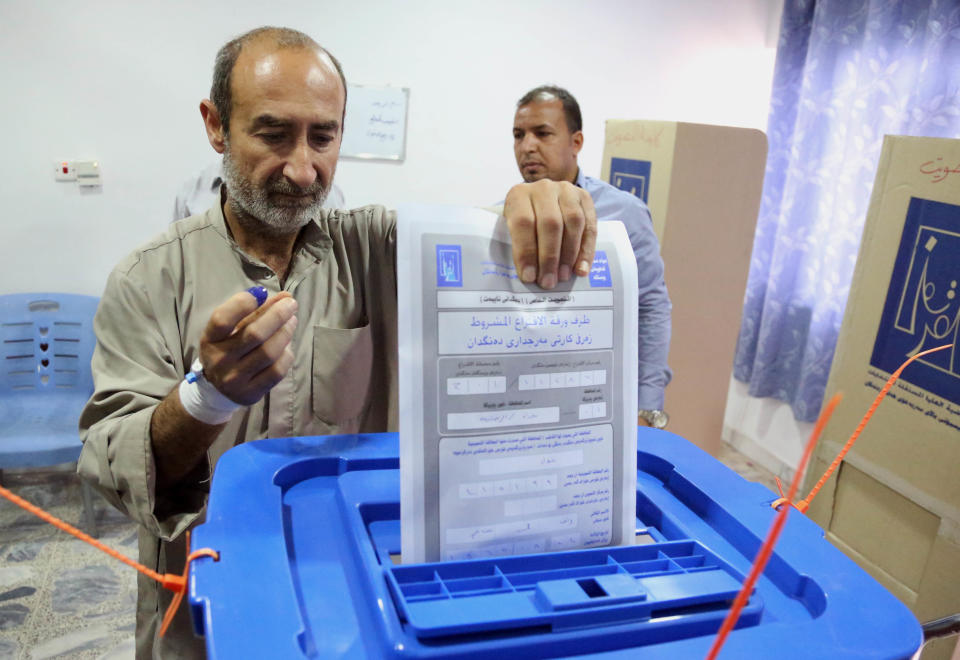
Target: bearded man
265	316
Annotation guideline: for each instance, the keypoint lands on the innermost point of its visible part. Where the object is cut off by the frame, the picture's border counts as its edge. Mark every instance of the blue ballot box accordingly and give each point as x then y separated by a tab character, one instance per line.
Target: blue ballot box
308	532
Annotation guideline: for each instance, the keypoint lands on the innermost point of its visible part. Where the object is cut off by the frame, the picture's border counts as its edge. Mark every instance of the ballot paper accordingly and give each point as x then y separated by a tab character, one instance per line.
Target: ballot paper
518	405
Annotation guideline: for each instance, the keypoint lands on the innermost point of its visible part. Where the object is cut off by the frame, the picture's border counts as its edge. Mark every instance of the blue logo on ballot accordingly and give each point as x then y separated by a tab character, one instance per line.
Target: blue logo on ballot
449	266
600	271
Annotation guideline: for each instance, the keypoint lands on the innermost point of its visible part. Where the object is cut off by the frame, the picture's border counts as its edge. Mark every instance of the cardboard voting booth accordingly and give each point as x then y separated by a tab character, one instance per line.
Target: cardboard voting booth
703	185
894	503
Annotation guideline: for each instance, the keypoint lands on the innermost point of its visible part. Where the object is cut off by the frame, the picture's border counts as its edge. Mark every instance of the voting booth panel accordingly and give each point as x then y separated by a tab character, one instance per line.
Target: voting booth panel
703	185
894	504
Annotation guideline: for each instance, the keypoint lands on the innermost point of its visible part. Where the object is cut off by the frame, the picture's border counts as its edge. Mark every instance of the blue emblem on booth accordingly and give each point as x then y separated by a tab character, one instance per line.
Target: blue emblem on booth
922	309
449	266
631	175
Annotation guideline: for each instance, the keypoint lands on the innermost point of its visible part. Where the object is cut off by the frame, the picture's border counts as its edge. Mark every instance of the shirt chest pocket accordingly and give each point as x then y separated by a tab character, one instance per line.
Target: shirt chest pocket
342	363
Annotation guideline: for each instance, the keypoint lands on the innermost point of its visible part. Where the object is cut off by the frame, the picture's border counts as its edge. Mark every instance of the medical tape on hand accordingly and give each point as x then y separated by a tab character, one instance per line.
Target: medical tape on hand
202	400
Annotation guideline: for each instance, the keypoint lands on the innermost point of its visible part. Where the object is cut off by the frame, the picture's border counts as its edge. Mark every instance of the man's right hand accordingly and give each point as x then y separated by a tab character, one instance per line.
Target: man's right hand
553	228
245	350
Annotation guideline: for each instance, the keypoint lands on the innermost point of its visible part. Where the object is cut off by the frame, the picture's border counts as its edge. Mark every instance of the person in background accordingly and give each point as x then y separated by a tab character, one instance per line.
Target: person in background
547	137
266	315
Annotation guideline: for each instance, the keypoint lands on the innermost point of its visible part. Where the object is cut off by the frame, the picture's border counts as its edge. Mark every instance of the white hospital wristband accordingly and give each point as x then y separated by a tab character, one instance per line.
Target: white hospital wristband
202	400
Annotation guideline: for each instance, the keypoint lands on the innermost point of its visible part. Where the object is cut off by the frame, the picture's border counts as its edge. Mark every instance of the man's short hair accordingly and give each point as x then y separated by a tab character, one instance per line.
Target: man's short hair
220	92
571	109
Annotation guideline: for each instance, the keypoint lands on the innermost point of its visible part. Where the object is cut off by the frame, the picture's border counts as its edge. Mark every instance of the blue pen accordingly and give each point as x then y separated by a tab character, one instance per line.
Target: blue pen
258	292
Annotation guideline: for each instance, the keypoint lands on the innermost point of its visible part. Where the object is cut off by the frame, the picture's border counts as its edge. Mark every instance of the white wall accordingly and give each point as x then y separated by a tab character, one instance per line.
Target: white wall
121	81
765	430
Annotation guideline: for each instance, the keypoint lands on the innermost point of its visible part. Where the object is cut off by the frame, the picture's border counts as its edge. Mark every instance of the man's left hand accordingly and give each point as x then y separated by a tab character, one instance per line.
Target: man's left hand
553	226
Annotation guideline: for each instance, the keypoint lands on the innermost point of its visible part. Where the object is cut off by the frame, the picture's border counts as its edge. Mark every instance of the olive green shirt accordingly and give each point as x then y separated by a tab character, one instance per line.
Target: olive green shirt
155	306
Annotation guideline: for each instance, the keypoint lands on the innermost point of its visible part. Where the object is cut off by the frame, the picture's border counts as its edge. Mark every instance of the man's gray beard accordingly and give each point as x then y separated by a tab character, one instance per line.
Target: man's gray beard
253	206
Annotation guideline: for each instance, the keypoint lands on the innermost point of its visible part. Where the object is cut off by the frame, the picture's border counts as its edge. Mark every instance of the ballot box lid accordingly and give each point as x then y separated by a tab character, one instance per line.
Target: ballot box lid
308	534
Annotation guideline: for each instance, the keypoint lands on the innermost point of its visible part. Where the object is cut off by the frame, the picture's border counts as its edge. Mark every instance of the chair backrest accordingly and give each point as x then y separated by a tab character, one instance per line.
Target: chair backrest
46	342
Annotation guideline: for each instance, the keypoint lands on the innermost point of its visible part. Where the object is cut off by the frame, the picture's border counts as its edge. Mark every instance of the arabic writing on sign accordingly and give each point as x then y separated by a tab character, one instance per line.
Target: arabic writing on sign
381	136
531	343
521	322
600	270
481	533
583	477
917	400
522	417
590	497
938	170
375	122
640	133
546	489
499	270
521	299
380	119
532	442
492	332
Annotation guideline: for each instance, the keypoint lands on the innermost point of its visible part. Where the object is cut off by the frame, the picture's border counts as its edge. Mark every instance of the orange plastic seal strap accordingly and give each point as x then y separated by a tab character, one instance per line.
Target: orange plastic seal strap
766	549
175	583
783	498
182	581
804	503
203	552
780	500
70	529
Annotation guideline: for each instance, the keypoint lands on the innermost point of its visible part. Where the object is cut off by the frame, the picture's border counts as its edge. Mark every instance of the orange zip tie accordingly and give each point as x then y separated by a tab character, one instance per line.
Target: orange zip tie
178	596
175	583
766	550
804	504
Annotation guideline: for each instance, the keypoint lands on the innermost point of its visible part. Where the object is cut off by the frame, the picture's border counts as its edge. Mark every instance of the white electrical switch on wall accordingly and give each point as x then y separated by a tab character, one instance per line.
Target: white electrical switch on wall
64	170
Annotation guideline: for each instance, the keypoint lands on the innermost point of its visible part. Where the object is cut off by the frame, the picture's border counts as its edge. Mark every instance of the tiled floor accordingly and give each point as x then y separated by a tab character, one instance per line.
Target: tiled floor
60	598
746	468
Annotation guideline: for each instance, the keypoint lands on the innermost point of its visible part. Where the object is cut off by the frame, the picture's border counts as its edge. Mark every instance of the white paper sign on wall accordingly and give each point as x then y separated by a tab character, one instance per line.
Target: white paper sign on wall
376	123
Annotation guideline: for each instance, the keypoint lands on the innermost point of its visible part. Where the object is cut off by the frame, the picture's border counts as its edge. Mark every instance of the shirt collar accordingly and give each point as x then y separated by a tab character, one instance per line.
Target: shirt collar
580	181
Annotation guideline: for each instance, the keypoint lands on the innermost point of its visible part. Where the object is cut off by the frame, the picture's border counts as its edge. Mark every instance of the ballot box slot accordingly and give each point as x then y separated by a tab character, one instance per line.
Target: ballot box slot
657	586
667	585
592	588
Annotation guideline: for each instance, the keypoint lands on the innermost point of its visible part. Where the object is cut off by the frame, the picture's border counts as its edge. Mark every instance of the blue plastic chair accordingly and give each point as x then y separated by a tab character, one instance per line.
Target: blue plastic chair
46	342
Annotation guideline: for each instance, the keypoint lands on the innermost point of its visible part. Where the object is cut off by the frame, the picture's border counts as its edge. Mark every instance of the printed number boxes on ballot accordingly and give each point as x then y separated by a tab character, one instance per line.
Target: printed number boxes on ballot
517	405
